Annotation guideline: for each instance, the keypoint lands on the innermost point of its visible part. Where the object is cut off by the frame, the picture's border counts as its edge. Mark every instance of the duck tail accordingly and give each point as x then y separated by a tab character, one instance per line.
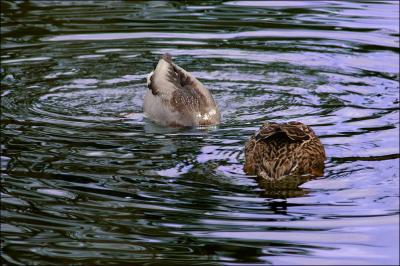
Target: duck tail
292	130
167	57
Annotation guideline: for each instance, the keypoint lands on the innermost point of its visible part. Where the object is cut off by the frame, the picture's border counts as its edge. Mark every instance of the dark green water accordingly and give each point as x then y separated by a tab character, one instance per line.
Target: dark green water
87	180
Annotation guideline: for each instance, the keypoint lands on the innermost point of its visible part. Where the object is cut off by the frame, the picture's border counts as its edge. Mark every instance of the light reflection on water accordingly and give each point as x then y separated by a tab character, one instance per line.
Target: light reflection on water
87	179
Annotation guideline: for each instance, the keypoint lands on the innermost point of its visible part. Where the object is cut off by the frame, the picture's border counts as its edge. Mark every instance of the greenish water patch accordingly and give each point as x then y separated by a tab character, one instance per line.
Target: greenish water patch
86	179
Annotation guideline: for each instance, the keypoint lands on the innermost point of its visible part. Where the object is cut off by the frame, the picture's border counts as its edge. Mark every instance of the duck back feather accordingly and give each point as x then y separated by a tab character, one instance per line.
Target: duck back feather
176	98
278	150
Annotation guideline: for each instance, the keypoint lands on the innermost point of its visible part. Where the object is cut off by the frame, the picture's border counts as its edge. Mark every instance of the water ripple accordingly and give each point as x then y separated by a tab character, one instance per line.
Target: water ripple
87	179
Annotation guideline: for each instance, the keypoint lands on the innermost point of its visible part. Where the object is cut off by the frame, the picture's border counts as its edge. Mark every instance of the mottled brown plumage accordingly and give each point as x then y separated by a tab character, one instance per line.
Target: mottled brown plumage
279	150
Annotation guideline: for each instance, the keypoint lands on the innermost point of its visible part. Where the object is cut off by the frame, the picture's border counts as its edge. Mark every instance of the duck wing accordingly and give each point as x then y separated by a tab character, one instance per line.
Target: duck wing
278	150
296	131
178	88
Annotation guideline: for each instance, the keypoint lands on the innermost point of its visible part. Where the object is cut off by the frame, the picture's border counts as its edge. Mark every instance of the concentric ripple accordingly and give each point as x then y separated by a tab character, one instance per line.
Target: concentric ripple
87	179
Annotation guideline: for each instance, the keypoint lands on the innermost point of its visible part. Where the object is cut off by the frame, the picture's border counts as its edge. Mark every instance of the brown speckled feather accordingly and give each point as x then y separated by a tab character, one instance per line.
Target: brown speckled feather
278	150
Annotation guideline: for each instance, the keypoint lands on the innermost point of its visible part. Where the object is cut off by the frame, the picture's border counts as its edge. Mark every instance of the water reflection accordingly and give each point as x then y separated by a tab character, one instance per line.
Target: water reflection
86	179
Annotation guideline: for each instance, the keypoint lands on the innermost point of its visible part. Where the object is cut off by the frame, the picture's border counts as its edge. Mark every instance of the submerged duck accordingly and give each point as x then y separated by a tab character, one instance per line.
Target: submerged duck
176	98
277	151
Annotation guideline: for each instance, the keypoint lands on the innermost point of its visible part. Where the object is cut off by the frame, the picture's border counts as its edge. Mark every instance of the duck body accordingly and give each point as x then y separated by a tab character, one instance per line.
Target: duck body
279	150
176	98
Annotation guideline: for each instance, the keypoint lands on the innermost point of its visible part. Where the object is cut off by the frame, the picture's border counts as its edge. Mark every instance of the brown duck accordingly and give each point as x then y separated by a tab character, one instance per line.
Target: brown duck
287	149
176	98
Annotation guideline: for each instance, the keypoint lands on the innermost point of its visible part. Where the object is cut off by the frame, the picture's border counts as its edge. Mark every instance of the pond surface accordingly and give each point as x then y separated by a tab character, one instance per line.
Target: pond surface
86	179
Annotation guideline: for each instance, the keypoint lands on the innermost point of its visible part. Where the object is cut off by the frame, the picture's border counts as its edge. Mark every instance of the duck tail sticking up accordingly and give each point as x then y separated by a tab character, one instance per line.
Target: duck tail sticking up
167	57
278	150
176	98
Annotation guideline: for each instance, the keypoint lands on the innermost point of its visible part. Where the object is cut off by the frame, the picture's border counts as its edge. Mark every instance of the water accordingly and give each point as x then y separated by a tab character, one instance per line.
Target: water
86	179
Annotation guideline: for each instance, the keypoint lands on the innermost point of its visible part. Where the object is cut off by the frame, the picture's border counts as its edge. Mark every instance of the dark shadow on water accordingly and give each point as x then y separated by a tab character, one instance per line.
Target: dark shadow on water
285	187
87	180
